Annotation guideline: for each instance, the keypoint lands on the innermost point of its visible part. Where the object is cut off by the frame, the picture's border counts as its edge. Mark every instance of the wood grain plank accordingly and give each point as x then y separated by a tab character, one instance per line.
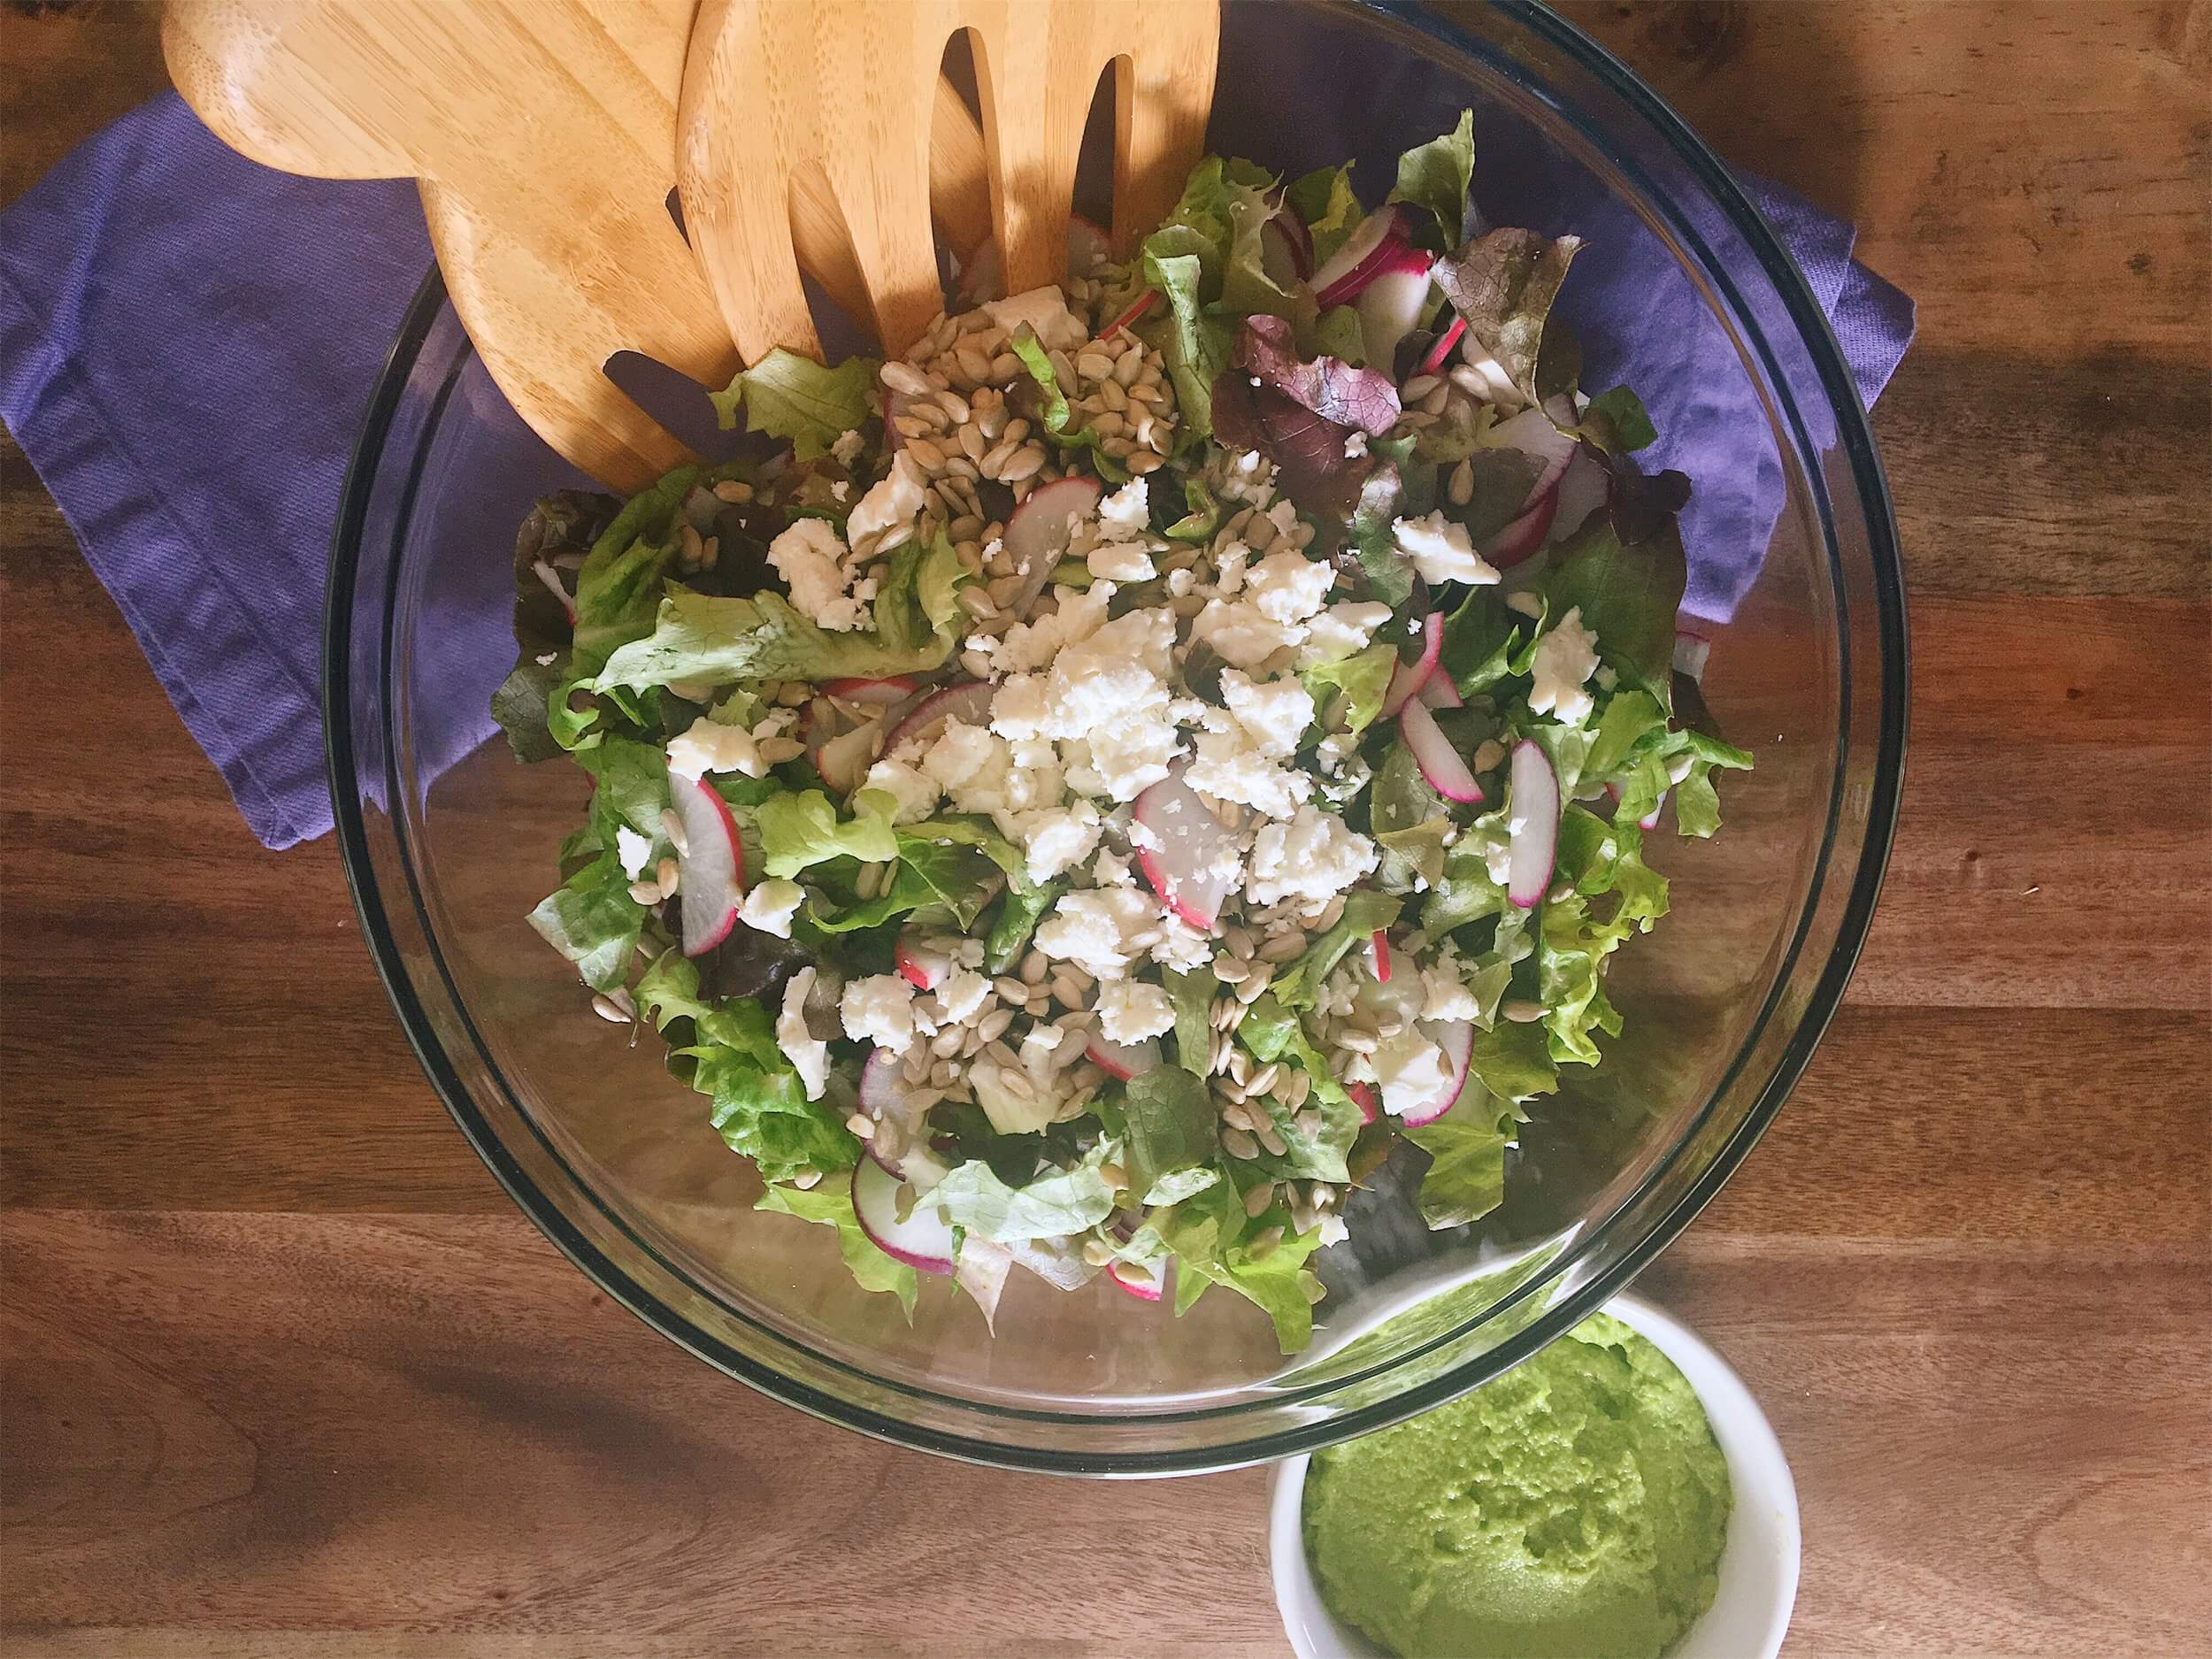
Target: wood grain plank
649	1506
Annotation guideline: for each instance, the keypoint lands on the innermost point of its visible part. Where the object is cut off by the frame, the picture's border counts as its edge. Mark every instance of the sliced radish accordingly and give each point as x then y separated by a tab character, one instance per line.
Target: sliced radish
1457	1038
1690	652
544	573
1391	305
1040	530
1440	763
1130	317
1193	861
1433	363
881	1093
1143	1283
1379	946
843	761
1584	488
1364	1097
1438	692
922	1238
1523	535
1124	1060
1279	252
1534	802
924	966
968	703
711	869
874	693
1533	434
1407	678
1376	244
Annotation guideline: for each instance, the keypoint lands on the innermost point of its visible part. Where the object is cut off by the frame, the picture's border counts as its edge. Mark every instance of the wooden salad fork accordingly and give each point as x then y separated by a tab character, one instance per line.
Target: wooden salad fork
545	140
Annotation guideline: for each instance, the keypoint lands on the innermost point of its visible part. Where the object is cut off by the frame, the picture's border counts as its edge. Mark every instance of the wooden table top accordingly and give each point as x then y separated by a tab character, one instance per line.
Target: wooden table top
286	1374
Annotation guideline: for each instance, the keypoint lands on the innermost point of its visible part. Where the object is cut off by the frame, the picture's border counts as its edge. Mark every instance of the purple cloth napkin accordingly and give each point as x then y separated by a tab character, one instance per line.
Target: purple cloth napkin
188	341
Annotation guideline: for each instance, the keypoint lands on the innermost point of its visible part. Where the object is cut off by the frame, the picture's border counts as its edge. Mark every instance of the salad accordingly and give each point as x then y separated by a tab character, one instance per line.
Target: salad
1078	797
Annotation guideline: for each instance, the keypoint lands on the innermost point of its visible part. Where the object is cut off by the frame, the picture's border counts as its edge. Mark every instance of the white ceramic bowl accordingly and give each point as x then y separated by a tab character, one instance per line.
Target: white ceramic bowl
1758	1565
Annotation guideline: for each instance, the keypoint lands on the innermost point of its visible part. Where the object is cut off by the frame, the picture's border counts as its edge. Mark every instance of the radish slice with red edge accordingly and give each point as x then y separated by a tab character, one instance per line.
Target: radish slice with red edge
1143	1283
922	1238
1440	763
1391	304
1438	692
1690	652
1407	678
1433	363
1124	1060
1533	434
1376	244
1457	1038
1364	1097
1522	537
1039	532
1193	860
874	693
968	703
922	966
1379	947
1532	802
711	869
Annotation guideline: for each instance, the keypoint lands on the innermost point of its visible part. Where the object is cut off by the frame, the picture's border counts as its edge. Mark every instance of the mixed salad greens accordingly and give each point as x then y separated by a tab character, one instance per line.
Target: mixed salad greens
1077	797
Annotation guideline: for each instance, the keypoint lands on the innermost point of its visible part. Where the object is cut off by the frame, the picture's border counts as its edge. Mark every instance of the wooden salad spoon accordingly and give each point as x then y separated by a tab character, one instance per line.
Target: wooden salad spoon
544	140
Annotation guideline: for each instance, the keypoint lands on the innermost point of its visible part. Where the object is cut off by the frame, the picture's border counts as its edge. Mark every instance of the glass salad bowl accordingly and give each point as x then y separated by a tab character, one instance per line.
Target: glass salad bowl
449	843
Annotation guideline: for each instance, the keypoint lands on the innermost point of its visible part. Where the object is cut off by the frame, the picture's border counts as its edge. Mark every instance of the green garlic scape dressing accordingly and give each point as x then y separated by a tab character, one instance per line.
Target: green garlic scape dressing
1574	1507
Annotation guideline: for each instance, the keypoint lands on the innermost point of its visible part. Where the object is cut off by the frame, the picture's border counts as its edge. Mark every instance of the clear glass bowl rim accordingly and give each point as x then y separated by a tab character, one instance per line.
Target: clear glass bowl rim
1855	442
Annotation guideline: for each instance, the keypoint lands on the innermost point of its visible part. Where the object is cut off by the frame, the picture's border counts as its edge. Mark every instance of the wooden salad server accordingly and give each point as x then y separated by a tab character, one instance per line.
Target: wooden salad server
783	98
544	138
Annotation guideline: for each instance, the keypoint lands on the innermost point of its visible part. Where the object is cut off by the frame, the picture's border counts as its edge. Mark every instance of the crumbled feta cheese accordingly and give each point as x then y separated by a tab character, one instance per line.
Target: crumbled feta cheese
1247	477
1313	857
915	792
1229	565
1336	633
1565	657
770	905
1334	1231
1181	947
1130	1010
808	1054
878	1009
1127	513
1238	633
971	764
1356	446
632	850
545	659
1229	767
1110	870
1122	561
846	449
840	488
1288	587
1046	312
1527	603
1275	713
962	993
1445	996
1497	859
1057	838
892	503
1411	1071
1441	550
1178	583
1032	645
1106	693
1099	929
708	746
807	557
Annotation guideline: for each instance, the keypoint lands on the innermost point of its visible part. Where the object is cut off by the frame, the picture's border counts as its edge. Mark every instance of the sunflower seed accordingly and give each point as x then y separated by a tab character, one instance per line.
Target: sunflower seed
1256	1200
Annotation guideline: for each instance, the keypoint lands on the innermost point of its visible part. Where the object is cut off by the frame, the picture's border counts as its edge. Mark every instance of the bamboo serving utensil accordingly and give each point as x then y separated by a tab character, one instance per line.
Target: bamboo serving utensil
545	138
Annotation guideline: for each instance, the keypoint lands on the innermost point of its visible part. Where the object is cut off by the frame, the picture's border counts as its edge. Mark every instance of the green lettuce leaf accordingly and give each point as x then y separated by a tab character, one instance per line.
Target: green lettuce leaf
1617	422
831	1204
1364	678
760	1107
787	395
1504	283
1197	345
1514	1062
1192	996
594	922
1169	1120
800	829
1209	1236
669	990
1173	1190
1016	920
1338	333
565	522
1437	175
1628	595
919	599
1325	200
1202	516
704	636
1273	1033
1465	1179
1056	1202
